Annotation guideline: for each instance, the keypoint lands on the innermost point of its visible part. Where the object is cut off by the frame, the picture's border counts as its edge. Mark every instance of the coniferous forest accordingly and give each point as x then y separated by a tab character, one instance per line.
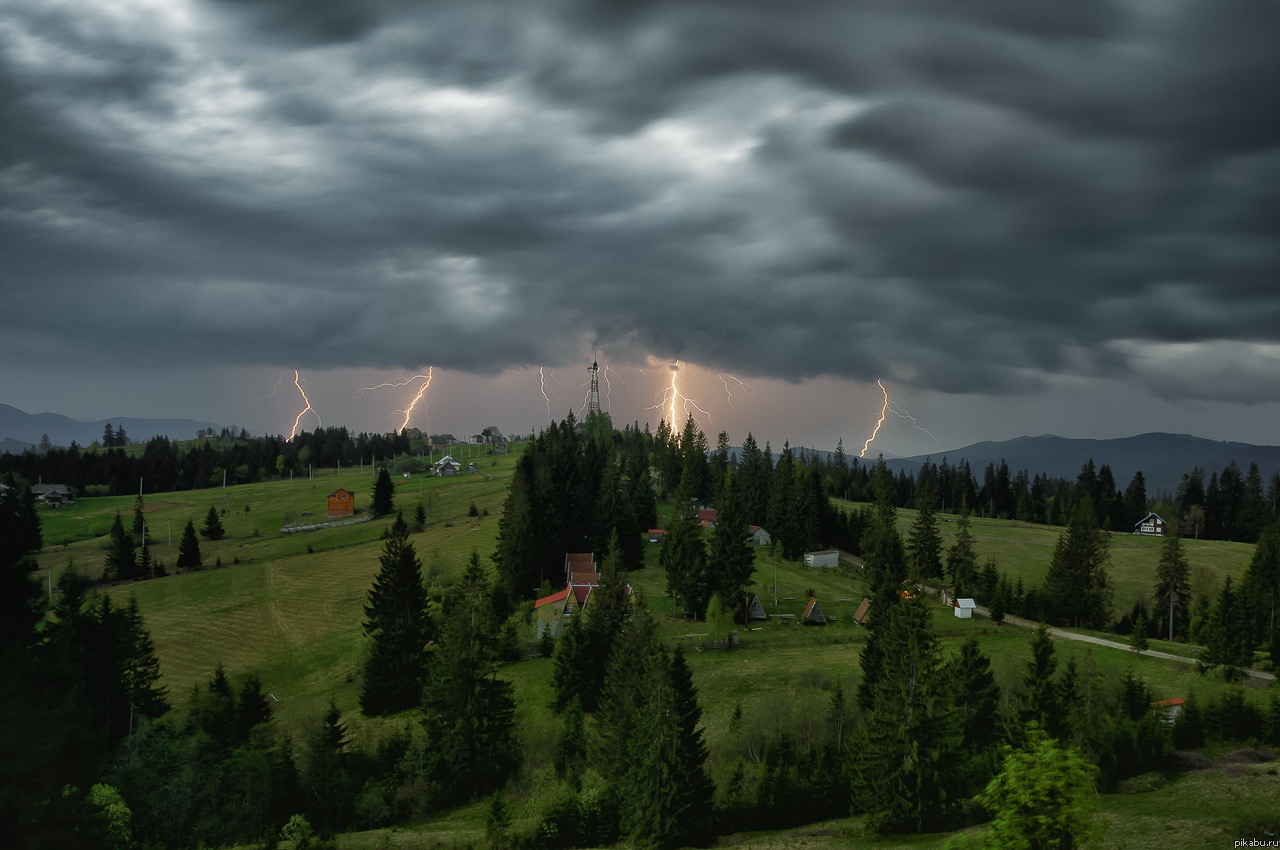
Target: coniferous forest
930	738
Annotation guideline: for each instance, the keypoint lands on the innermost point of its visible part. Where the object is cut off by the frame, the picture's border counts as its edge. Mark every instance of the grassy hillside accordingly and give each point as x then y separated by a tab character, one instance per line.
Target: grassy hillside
290	607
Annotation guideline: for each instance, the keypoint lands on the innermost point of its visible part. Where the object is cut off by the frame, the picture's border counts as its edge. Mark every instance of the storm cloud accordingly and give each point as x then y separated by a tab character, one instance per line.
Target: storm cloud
974	198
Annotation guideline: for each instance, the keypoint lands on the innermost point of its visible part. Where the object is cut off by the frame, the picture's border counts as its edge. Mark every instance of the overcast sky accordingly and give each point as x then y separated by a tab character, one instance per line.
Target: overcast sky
1021	217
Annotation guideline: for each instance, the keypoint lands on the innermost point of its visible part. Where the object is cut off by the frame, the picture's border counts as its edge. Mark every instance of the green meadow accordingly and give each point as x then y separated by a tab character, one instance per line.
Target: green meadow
289	608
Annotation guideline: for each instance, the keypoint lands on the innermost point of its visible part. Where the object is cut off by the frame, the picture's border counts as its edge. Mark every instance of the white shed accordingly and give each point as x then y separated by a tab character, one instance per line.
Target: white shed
825	559
964	608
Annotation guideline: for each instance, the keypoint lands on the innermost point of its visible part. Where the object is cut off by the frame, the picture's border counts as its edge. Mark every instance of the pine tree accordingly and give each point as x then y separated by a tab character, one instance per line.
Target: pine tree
1043	703
21	602
189	557
906	775
886	577
383	493
1138	638
213	529
397	628
468	714
121	562
1225	635
731	556
1077	589
684	556
1173	588
924	544
139	521
962	559
1261	586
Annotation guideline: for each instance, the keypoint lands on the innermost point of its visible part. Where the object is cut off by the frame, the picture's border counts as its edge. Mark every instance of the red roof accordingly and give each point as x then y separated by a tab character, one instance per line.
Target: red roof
707	514
580	593
555	597
590	579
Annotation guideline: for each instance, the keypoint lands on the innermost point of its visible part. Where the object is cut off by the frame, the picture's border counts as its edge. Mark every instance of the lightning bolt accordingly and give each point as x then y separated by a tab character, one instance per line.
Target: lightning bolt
884	410
297	382
671	395
408	411
902	414
542	384
746	388
276	388
608	384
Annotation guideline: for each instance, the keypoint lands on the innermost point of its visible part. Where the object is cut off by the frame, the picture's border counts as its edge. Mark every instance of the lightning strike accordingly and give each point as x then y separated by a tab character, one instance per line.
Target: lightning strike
724	379
608	385
542	381
670	396
884	411
297	382
408	411
902	414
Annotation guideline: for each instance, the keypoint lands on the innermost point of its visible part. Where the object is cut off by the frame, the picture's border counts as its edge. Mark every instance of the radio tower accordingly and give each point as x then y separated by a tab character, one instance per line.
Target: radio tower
593	397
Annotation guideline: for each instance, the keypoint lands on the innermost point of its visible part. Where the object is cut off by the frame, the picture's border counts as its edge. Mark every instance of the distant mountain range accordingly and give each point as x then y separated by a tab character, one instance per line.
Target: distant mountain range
20	430
1162	458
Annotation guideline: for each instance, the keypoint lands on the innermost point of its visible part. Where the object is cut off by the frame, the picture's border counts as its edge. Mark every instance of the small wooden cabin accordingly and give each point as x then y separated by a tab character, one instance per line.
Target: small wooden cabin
342	503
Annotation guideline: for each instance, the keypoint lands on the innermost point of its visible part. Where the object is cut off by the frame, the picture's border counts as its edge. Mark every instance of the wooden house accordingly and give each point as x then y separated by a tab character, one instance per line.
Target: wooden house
755	611
1152	525
707	517
759	536
342	503
551	612
861	613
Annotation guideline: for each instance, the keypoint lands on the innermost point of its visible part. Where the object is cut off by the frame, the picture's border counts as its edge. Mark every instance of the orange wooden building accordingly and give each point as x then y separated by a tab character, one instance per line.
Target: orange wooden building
342	503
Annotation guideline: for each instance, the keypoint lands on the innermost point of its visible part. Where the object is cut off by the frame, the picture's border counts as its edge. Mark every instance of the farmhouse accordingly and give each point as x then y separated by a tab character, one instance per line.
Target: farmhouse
342	503
707	517
53	495
759	536
446	466
552	611
1152	525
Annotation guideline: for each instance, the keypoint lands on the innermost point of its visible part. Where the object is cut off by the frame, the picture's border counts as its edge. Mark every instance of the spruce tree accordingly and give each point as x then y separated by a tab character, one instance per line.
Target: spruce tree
684	555
1261	586
1038	800
962	560
397	629
731	557
1077	589
213	529
1173	588
189	557
121	563
468	713
383	494
1042	703
924	543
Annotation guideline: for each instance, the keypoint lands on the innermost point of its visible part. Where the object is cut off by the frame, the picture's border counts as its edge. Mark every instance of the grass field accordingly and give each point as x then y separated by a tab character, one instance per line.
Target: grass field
289	608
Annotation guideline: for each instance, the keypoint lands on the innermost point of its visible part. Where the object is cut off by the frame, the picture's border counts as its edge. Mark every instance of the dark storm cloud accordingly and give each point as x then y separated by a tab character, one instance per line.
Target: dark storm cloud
968	197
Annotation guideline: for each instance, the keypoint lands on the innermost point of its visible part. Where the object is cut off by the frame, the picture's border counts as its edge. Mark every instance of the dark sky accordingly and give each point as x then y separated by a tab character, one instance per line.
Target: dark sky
1022	217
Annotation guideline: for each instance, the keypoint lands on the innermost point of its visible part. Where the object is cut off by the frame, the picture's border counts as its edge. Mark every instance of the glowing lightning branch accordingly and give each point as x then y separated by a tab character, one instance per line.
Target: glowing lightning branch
884	410
542	382
298	383
608	384
671	395
902	414
408	411
746	388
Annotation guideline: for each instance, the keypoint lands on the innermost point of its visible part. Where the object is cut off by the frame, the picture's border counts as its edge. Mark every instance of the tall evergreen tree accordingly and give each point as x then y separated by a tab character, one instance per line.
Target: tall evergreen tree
468	713
906	774
1173	587
397	628
1261	587
384	492
962	559
1077	588
121	562
924	544
1226	635
1043	699
1038	800
684	555
189	557
731	556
